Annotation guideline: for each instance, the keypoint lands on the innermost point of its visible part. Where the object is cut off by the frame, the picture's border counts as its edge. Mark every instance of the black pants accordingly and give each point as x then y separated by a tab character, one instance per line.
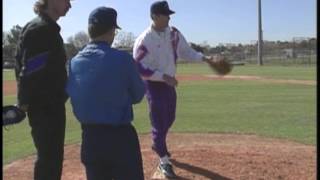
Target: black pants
109	152
48	132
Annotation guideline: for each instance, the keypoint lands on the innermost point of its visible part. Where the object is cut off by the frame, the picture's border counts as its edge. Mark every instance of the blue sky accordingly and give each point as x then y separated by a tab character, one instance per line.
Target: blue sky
213	21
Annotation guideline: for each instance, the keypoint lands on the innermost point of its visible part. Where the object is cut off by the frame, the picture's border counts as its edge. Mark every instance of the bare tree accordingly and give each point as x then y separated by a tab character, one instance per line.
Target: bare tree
9	43
76	43
4	38
79	40
70	48
124	40
13	35
70	40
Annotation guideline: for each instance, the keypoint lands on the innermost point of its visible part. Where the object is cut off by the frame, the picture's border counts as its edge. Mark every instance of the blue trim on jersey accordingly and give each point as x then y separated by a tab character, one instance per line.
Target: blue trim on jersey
36	63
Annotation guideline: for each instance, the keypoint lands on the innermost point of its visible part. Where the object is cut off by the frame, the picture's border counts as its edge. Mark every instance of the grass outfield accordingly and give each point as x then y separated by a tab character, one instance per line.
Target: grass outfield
246	107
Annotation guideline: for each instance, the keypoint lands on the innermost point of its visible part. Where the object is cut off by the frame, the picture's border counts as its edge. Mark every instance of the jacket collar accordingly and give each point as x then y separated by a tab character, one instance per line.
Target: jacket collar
156	33
50	21
100	43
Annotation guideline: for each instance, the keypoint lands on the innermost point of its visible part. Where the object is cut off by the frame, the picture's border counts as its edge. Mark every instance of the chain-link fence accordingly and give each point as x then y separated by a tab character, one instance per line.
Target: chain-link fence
291	53
284	57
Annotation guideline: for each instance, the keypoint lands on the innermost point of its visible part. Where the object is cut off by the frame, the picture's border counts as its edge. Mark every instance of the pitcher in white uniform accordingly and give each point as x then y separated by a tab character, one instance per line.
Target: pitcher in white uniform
156	52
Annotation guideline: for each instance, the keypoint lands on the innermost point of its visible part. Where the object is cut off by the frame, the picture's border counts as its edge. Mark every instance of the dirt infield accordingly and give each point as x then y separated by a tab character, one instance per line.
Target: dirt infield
9	87
204	156
243	77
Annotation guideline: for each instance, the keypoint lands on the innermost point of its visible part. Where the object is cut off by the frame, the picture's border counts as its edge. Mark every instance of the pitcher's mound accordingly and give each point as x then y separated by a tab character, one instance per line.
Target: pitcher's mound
204	156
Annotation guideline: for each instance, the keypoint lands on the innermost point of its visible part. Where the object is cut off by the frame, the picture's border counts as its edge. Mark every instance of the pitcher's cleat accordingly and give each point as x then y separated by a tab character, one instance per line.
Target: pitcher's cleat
167	170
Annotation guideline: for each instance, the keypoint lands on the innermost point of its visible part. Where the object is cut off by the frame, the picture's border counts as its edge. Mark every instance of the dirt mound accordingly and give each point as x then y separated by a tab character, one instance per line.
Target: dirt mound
204	156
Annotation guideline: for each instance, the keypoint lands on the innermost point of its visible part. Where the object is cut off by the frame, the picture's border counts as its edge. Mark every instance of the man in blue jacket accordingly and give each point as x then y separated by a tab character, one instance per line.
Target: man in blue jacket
103	85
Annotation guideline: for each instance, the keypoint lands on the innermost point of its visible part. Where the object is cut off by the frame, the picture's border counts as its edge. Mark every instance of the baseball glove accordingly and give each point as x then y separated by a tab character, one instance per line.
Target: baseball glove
11	114
220	66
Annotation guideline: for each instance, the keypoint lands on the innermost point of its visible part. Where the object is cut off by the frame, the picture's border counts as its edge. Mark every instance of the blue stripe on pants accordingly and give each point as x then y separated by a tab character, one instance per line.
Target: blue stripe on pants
162	100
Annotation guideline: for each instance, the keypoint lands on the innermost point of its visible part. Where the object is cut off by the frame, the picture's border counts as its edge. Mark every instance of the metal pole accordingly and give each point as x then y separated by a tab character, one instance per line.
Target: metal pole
260	41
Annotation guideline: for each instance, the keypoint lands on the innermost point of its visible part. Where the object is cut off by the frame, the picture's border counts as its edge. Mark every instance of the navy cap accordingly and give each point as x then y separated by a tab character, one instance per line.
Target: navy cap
104	16
161	7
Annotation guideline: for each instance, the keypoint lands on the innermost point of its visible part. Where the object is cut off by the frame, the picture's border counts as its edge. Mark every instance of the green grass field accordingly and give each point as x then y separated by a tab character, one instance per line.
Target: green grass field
286	111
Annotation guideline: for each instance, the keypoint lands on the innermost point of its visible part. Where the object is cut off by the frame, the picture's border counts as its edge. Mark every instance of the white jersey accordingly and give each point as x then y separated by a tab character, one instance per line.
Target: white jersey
156	53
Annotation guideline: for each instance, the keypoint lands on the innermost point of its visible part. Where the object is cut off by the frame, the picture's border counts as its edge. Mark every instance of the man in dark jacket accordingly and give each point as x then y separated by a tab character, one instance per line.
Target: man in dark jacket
41	78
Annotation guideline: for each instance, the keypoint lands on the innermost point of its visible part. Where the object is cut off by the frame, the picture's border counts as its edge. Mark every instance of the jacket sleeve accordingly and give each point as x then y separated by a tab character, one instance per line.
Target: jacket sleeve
33	54
144	62
184	50
136	85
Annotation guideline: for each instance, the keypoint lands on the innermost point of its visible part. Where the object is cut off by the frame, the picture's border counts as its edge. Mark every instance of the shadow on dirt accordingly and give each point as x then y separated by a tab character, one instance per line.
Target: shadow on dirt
197	170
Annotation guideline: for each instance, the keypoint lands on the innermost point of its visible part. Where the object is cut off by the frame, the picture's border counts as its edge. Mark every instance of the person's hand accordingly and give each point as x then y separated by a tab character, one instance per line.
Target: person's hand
171	81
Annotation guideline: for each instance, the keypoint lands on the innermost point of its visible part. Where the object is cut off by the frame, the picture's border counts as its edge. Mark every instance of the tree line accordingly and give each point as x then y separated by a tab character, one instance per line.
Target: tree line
125	40
73	44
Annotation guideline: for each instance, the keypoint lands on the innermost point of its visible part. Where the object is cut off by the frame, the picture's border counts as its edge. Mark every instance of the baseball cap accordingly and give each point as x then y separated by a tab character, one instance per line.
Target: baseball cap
161	7
104	16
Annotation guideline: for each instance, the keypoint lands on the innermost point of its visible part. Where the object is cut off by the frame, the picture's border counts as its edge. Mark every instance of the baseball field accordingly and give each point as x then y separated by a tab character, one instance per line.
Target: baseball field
256	123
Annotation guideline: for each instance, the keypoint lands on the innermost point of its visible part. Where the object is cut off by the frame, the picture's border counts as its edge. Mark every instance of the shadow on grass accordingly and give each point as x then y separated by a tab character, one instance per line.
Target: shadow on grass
197	170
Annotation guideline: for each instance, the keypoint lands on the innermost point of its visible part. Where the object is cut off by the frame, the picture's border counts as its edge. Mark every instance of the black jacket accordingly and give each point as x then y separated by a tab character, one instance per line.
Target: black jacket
40	63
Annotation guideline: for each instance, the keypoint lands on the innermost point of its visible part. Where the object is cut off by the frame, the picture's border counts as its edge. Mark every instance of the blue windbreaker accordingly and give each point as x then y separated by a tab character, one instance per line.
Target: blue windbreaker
103	84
